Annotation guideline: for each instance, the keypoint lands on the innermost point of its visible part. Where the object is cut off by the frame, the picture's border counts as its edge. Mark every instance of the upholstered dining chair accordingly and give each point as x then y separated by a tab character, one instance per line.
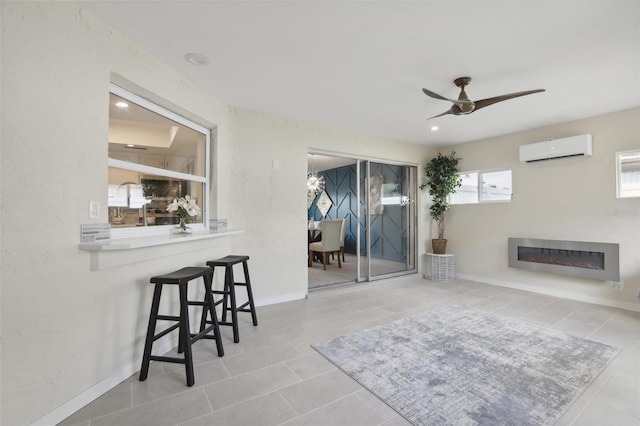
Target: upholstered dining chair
342	231
330	242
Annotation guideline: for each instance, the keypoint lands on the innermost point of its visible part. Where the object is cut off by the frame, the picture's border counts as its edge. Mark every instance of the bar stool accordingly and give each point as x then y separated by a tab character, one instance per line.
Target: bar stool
229	293
181	278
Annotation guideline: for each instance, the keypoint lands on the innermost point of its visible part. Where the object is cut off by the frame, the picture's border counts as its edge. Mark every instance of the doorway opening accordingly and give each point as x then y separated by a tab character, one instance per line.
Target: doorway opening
376	201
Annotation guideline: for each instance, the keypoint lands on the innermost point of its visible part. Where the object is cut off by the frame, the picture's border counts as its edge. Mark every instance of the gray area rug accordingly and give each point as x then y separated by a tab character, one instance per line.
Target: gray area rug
457	366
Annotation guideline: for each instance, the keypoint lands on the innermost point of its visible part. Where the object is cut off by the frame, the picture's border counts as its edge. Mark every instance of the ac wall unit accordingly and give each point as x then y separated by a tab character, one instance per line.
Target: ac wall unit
574	146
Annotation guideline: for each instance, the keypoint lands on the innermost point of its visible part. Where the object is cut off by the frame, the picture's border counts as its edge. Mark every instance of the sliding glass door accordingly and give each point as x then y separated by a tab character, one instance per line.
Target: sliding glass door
387	220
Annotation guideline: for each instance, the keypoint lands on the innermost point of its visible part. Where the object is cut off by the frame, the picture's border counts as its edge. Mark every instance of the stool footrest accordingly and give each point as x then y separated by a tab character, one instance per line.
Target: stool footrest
203	334
167	359
165	332
168	317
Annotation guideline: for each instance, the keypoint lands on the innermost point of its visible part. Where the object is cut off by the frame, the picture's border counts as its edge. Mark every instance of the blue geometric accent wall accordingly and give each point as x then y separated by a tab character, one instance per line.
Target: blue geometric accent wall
388	230
341	187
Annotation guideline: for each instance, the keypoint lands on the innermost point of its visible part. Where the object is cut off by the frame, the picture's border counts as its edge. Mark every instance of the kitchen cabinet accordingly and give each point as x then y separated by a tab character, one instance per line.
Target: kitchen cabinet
157	214
129	155
176	163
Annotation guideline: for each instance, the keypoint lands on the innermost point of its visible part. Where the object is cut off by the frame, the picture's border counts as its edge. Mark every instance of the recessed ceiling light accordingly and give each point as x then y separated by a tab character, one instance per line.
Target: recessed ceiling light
130	145
122	104
196	59
434	128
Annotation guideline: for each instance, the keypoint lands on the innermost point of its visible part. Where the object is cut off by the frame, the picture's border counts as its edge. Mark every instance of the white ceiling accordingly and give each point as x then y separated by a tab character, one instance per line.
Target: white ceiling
362	64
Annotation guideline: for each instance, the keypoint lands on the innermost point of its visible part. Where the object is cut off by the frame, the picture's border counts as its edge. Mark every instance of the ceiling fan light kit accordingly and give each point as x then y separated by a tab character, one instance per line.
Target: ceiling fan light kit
464	106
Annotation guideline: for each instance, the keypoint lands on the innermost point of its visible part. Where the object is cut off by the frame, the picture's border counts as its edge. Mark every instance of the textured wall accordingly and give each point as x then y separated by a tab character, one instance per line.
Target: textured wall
66	327
563	199
73	323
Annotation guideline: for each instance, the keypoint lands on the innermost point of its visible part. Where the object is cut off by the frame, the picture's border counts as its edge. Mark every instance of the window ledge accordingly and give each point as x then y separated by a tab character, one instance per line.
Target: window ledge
156	240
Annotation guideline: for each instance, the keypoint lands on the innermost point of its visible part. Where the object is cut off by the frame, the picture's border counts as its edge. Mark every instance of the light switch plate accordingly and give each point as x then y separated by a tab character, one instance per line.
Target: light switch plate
94	209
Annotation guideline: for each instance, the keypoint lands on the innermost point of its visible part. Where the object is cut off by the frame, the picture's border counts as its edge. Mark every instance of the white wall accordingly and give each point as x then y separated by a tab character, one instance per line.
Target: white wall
563	199
73	323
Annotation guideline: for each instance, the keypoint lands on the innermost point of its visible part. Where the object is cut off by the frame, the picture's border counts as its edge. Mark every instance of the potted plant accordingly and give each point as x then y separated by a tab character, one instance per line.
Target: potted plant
442	180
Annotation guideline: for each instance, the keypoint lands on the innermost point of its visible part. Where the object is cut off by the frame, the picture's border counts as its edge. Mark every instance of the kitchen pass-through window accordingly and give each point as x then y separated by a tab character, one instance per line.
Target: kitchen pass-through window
155	157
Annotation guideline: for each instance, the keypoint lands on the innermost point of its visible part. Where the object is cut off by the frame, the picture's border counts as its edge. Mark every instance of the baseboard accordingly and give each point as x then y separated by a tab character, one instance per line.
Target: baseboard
551	292
94	392
289	297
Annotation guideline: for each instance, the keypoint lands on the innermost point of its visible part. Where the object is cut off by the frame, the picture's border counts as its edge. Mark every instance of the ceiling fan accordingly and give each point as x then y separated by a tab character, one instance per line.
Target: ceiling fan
463	106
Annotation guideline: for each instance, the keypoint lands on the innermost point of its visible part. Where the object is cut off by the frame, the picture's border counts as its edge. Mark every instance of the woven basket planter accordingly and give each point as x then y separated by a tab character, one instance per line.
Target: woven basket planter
439	246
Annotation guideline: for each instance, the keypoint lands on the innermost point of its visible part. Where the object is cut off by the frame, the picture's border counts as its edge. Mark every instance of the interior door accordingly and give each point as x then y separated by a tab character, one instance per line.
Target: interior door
387	220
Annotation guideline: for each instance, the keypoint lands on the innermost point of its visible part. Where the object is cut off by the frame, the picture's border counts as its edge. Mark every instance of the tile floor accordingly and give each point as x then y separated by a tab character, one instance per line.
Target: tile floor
319	277
274	377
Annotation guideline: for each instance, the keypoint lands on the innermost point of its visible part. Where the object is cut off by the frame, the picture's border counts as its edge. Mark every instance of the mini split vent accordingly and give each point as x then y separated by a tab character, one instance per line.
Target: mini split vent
574	146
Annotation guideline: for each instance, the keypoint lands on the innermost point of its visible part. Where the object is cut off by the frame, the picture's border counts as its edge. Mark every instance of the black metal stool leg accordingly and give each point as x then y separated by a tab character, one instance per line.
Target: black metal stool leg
151	331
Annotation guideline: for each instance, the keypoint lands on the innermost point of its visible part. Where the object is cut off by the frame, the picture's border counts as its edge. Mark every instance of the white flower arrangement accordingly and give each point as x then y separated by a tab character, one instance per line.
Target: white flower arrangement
186	207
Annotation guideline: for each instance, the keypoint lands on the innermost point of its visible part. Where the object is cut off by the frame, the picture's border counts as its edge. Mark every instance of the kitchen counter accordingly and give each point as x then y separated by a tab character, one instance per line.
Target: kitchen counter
114	244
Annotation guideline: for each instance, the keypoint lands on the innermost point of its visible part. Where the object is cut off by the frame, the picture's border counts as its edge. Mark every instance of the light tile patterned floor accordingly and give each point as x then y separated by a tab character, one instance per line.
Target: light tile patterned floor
274	377
348	272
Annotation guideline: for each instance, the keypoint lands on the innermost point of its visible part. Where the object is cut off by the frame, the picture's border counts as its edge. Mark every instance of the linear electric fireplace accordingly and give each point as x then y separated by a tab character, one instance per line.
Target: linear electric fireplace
599	261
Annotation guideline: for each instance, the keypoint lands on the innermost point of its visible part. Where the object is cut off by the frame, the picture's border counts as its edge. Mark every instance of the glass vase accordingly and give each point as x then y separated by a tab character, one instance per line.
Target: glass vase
182	227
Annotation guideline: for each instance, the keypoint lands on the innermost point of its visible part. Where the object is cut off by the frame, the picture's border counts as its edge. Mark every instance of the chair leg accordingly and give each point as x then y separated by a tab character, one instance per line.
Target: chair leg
310	258
325	256
339	263
342	252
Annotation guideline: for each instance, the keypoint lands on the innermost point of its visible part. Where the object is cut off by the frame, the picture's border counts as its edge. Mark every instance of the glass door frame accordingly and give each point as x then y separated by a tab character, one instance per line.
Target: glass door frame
412	222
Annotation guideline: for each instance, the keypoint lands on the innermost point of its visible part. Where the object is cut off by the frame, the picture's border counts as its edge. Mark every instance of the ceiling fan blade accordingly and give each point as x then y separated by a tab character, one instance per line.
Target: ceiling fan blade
490	101
436	96
449	111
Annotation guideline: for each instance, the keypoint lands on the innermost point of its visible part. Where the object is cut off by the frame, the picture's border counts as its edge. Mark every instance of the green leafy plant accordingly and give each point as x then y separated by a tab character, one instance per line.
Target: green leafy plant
442	178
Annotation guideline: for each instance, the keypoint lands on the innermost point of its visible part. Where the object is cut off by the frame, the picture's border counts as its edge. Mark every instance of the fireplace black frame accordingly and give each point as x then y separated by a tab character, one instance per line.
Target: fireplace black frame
610	251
